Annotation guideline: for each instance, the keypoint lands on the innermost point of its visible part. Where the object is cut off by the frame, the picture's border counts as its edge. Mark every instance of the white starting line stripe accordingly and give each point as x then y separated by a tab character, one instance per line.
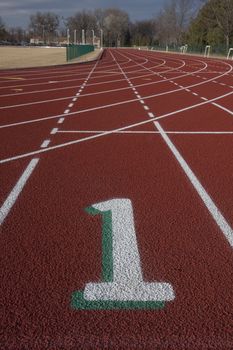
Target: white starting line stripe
61	120
54	131
151	115
207	200
45	144
14	194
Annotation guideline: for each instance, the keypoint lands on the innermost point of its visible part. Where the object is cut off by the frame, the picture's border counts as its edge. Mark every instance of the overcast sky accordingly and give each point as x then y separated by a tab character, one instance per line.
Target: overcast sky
17	12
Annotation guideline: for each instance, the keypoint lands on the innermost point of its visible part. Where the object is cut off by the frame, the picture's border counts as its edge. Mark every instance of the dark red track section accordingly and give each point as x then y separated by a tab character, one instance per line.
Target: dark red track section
91	128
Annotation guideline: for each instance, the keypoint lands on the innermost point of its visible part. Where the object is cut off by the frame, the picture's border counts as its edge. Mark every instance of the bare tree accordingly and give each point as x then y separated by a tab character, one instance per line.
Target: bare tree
173	21
3	31
223	13
116	25
44	25
85	20
143	33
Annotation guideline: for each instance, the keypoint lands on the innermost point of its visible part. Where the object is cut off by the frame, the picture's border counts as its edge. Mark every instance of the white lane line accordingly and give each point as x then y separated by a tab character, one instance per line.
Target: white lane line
146	108
14	194
45	144
142	102
61	120
223	108
117	104
78	93
138	96
54	131
74	99
207	200
71	105
194	93
147	132
67	111
204	98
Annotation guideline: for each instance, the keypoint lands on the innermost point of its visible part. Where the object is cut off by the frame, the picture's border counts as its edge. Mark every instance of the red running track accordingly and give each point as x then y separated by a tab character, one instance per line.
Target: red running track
144	138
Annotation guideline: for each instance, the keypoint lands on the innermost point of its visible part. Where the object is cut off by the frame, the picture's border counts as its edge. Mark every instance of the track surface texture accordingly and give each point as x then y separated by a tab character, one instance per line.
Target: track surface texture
116	207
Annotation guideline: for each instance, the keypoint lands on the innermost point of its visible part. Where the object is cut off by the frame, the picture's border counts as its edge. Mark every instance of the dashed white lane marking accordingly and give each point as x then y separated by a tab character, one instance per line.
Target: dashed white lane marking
71	105
204	98
142	102
67	111
151	115
194	93
45	144
78	93
14	194
61	120
138	96
74	99
210	205
146	108
54	131
118	104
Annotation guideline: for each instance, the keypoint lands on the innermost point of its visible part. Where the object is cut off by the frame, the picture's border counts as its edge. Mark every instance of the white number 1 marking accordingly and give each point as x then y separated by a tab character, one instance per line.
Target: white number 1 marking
123	279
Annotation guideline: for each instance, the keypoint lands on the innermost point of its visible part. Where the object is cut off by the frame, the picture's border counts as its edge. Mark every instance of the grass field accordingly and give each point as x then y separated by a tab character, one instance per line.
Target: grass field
19	57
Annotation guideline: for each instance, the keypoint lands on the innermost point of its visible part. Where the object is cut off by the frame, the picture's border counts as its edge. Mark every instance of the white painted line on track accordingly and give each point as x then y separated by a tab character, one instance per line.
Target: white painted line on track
70	105
74	142
118	104
142	102
151	115
207	200
61	120
223	108
14	194
204	98
74	99
45	143
54	131
147	132
67	111
146	108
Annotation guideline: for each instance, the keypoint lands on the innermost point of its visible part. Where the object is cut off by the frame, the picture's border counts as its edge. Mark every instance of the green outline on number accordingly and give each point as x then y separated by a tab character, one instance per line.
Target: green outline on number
107	259
78	301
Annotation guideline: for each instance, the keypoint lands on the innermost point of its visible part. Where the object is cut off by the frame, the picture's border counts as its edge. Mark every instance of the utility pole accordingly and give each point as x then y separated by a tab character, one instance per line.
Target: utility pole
75	36
101	38
83	36
68	36
93	37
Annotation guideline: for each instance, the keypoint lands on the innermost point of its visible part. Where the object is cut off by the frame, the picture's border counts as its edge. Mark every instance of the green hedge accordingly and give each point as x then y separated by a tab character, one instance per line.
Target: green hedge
74	51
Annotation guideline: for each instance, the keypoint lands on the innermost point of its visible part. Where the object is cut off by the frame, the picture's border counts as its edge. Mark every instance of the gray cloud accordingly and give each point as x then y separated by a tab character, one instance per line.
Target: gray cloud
14	12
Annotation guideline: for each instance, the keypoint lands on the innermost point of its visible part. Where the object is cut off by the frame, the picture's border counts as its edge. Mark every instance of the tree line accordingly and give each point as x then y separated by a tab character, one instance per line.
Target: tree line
195	23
